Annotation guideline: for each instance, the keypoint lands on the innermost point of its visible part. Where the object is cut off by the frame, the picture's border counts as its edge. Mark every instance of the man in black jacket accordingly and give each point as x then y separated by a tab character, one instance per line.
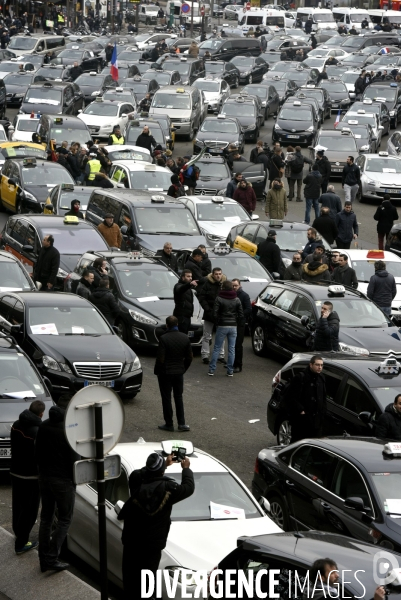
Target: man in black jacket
24	475
326	226
48	263
74	210
105	302
168	258
294	271
194	264
206	264
360	85
327	329
85	285
382	288
184	300
247	310
146	139
313	182
351	178
332	201
344	274
306	401
147	518
207	296
173	359
269	253
324	168
55	461
347	226
388	425
75	71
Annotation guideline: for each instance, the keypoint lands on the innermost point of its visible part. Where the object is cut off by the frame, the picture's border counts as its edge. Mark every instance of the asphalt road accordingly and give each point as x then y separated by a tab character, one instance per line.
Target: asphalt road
217	409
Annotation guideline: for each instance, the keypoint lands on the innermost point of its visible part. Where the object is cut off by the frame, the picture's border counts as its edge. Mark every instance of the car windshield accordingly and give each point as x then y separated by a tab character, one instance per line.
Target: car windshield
354	59
12	277
11	79
176	101
343	143
17	377
220	488
213	68
243	61
359	17
370	119
27	124
388	485
300	76
53	73
324	17
133	132
150	180
161	78
43	96
357	312
210	44
130	56
43	174
129	154
349	77
22	43
290	240
280	86
314	62
383	165
138	88
181	67
334	41
207	86
242	267
388	93
257	90
73	239
238	109
213	170
334	87
93	80
64	320
65	199
147	283
366	268
75	54
316	94
102	110
70	135
221	212
165	219
219	126
351	42
295	114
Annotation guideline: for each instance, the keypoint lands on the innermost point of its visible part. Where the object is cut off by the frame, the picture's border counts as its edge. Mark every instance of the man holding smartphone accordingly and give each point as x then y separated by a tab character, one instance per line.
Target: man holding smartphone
327	329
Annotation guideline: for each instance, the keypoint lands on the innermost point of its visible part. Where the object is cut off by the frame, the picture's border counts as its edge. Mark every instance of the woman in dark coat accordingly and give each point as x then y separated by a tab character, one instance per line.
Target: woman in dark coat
276	167
385	216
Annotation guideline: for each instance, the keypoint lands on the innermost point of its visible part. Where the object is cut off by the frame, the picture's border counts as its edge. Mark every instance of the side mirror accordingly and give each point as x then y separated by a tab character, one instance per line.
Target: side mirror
276	275
381	127
173	129
80	110
124	115
124	230
15	329
365	417
305	321
11	182
255	217
355	504
118	506
27	248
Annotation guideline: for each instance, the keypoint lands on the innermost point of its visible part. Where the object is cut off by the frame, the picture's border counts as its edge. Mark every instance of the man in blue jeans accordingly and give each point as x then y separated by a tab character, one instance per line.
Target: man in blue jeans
313	182
227	312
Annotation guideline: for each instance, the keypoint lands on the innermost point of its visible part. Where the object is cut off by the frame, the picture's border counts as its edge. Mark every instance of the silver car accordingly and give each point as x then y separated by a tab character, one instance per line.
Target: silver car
231	11
361	116
380	174
215	91
394	144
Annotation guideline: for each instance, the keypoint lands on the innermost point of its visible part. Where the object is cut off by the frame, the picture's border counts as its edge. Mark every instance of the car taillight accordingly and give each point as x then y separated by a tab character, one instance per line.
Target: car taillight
276	380
376	535
254	302
256	468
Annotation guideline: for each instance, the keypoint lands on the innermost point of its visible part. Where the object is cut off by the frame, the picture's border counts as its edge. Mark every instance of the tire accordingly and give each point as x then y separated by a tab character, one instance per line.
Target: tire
191	135
256	136
359	197
236	83
122	331
284	433
259	341
279	512
250	80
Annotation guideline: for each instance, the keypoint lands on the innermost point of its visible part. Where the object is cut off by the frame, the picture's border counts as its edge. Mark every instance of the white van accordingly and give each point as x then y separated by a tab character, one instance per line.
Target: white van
322	18
255	17
351	17
377	16
23	45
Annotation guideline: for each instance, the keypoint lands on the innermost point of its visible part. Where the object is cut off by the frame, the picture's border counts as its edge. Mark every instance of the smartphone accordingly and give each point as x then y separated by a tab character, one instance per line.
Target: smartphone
178	454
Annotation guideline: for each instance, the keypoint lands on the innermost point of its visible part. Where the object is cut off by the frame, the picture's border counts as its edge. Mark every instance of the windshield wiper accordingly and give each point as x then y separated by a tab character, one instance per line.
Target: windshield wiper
171	233
88	334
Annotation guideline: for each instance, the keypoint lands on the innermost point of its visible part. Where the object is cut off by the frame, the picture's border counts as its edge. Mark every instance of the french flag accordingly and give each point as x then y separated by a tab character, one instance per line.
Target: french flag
114	64
384	51
336	122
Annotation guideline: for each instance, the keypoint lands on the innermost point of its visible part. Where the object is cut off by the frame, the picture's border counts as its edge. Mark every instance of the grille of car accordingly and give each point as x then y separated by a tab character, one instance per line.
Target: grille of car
98	370
215	144
389	353
146	252
207	192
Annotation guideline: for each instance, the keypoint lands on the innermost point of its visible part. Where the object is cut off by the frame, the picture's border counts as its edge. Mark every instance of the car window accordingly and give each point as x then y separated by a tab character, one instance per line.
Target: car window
319	466
117	489
17	313
7	168
285	301
6	306
125	217
270	294
356	398
333	379
261	235
19	231
299	457
302	307
348	483
100	205
9	226
83	264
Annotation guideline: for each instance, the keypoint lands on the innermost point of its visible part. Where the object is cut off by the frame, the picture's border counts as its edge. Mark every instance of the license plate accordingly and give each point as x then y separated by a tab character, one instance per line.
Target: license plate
5	451
294	137
191	333
392	191
103	383
336	170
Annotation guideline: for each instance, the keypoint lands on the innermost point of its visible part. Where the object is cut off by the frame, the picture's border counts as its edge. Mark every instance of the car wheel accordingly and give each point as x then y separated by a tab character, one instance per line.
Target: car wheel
279	512
18	208
122	331
266	115
191	135
236	83
256	136
359	196
284	433
395	123
250	79
259	341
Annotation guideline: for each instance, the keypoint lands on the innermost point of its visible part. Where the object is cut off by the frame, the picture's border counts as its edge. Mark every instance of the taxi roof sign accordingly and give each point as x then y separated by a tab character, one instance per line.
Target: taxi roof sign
392	449
29	162
135	255
70	220
67	187
378	254
389	366
222	248
180	91
58	120
218	199
276	223
336	289
158	199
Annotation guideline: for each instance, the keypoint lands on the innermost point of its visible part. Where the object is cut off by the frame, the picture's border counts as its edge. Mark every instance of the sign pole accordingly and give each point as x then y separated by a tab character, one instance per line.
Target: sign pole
192	17
101	492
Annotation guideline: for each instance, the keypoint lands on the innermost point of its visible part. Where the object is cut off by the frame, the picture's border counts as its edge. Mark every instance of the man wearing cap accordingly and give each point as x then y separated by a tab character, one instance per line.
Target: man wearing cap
116	138
194	265
269	253
110	231
147	518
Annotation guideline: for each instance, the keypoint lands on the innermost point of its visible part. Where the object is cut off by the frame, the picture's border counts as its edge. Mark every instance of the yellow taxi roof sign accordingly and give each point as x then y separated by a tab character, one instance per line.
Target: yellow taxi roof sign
70	220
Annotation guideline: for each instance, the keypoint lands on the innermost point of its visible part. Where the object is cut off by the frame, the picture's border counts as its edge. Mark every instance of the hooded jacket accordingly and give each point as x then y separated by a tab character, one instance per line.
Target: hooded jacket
351	175
347	225
53	454
208	295
276	203
246	197
23	436
105	302
345	275
324	167
326	226
47	266
326	334
385	216
183	300
388	425
382	288
147	513
84	288
270	255
227	309
293	273
315	271
231	188
74	213
112	234
332	201
312	182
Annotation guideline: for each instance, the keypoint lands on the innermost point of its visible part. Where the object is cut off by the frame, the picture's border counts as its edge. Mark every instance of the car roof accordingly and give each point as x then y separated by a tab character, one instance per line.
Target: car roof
113	102
139	166
8	257
49	163
43	298
209	200
122	147
67	119
54	84
363	449
139	196
317	291
54	221
363	255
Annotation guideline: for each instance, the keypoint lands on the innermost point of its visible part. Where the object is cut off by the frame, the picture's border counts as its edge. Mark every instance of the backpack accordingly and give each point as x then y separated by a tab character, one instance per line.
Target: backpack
297	164
195	172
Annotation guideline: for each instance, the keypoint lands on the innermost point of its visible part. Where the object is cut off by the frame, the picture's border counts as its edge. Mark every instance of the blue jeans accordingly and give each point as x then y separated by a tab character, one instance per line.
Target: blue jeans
221	334
386	310
309	202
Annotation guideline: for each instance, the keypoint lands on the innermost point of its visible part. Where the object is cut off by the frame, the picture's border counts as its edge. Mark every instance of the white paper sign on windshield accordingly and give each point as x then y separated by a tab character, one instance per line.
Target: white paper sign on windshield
394	506
44	329
148	299
219	511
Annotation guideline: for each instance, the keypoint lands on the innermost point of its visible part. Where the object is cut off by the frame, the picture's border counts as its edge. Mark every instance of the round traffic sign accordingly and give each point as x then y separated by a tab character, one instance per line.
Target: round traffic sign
202	10
185	8
80	420
248	6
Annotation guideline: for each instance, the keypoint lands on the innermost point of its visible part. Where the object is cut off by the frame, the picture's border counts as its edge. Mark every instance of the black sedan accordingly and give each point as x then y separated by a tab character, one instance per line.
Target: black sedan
128	56
250	68
389	94
377	107
85	59
143	288
223	70
347	485
70	342
363	133
17	85
338	93
268	96
321	96
140	86
301	76
53	98
94	84
247	111
216	133
163	77
296	124
284	87
284	316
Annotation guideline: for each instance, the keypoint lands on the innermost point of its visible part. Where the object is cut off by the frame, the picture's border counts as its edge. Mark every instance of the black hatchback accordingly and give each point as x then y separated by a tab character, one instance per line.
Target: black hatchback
296	123
53	98
388	93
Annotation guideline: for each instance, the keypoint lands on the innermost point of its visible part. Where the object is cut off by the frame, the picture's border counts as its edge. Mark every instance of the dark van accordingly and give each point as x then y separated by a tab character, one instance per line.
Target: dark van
227	48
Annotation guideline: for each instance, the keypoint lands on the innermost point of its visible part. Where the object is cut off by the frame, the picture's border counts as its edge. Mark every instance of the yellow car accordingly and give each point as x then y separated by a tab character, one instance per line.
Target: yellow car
21	150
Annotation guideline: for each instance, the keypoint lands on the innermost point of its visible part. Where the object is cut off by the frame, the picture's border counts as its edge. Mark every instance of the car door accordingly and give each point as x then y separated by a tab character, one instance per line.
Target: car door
116	490
16	238
245	241
6	305
355	399
274	100
68	101
282	323
300	335
7	191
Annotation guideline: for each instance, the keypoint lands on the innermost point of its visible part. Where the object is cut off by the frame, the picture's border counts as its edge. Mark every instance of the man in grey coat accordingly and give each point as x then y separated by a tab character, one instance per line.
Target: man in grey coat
331	201
382	288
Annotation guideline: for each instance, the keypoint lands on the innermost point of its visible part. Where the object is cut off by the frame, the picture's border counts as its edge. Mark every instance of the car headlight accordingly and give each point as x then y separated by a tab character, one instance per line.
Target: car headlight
184	574
65	368
214	238
50	363
199	142
141	318
353	349
392	113
311	128
364	148
30	196
62	273
245	73
132	366
95	93
372	183
277	126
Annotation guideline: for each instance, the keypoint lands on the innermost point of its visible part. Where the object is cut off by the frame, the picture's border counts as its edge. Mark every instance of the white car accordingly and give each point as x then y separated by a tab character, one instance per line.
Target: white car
216	215
140	176
215	91
102	115
349	78
196	540
363	262
380	174
363	117
326	52
145	41
22	128
128	152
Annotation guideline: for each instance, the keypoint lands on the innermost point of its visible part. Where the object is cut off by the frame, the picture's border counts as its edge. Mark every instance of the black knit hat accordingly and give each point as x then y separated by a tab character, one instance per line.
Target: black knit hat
155	464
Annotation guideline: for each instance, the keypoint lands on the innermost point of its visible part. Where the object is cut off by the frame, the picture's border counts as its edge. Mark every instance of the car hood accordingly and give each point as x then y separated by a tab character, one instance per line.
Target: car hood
11	410
158	309
189	541
88	89
390	179
242	68
211	95
179	242
17	89
246	120
96	119
41	192
22	136
67	347
375	339
48	109
209	136
221	228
